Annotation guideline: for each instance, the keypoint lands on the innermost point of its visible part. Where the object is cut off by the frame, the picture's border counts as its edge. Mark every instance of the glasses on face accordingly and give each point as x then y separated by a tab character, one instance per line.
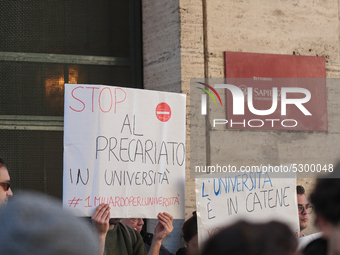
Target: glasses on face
308	208
6	185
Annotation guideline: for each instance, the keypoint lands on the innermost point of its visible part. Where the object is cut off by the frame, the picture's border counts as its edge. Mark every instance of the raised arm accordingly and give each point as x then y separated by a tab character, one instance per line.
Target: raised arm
100	221
163	228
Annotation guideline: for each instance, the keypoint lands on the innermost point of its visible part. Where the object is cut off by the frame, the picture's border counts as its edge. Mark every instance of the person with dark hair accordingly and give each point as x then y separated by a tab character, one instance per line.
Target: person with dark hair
300	190
326	200
5	190
316	247
189	234
305	209
243	238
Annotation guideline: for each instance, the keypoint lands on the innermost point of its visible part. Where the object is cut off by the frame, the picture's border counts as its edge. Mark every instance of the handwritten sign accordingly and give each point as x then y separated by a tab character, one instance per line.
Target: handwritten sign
254	197
124	147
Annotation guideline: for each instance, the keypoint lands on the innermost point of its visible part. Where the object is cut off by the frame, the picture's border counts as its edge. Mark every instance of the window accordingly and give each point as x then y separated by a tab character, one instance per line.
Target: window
44	44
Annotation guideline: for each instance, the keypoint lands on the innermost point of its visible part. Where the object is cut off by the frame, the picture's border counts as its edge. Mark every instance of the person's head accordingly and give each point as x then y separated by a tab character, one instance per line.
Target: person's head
326	198
326	201
189	234
5	190
135	223
243	238
304	207
33	223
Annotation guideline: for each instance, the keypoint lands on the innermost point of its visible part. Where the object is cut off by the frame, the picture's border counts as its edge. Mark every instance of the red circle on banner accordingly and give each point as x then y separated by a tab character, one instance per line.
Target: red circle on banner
163	112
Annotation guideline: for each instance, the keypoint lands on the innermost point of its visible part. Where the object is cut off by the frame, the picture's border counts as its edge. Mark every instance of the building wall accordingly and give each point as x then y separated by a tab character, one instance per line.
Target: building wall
185	39
161	45
309	28
162	69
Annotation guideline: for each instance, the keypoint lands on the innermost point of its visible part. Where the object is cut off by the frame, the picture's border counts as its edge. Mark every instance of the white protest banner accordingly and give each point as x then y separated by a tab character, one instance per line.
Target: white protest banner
253	197
124	147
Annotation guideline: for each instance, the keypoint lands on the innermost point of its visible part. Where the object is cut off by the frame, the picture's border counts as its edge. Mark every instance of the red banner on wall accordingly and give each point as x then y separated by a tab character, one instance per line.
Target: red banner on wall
300	83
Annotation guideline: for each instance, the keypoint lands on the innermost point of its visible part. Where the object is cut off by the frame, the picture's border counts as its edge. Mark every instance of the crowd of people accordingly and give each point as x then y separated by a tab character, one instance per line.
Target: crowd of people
32	223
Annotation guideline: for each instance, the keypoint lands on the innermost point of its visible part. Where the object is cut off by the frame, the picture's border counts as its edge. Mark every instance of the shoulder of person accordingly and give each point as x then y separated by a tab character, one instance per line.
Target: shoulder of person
164	251
316	247
182	251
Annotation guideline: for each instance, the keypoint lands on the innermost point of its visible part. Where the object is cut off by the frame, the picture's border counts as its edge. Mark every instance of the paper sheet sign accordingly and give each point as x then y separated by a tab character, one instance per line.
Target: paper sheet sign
254	197
124	147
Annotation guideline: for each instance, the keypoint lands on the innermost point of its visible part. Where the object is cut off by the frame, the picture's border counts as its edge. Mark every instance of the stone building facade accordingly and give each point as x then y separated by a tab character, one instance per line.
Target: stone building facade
184	39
